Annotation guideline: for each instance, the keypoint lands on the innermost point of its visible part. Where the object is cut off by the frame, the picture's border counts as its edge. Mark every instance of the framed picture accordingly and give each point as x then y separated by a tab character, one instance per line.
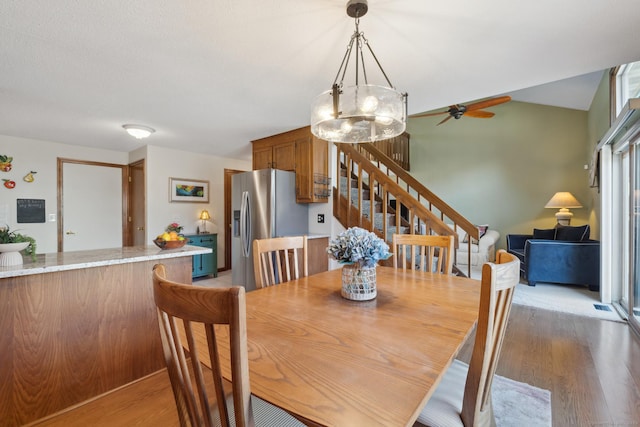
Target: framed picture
188	190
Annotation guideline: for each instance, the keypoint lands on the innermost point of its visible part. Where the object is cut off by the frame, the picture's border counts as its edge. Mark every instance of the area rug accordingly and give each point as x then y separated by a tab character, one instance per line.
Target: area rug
517	404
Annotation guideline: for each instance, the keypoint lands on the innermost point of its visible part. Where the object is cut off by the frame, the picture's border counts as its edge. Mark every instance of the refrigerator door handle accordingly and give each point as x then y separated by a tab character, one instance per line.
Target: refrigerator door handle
245	224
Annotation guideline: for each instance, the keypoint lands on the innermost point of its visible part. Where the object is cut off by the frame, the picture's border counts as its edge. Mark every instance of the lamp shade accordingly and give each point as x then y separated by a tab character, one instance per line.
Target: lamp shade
204	215
563	199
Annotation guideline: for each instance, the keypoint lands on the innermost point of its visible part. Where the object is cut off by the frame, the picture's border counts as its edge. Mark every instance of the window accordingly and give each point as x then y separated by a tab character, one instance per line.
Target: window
627	84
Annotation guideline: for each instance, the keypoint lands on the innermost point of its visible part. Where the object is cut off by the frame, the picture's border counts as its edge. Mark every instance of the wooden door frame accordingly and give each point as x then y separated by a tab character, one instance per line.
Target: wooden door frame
125	196
130	196
228	173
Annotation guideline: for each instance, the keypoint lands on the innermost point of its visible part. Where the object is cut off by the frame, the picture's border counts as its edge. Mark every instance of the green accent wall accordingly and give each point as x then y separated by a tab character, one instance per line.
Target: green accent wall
502	171
599	122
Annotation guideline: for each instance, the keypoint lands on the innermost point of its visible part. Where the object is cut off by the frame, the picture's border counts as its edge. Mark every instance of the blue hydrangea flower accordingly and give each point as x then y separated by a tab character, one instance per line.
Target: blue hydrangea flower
357	245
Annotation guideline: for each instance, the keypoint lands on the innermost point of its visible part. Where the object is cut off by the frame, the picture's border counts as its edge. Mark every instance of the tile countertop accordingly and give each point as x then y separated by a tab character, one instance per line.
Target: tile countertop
62	261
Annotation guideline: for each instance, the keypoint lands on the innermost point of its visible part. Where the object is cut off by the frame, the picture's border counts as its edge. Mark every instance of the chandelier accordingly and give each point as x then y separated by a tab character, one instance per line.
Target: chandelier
364	112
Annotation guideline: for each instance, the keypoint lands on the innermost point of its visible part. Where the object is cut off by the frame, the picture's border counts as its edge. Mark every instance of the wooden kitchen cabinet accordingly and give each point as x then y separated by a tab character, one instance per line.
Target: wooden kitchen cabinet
299	151
279	156
318	258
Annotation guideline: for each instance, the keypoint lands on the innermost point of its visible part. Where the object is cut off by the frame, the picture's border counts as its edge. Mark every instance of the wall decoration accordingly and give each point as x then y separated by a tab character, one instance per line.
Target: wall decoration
29	177
5	163
188	190
10	184
30	210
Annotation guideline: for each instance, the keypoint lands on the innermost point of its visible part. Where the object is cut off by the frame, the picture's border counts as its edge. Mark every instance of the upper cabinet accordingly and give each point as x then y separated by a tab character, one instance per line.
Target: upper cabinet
299	151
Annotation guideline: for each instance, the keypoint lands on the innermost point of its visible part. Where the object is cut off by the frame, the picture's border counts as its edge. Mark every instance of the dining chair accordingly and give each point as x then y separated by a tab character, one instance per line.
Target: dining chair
463	397
423	252
186	307
279	259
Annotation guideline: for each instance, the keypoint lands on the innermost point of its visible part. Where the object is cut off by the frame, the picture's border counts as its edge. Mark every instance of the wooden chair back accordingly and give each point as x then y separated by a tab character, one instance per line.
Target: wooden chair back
499	280
279	260
179	304
423	252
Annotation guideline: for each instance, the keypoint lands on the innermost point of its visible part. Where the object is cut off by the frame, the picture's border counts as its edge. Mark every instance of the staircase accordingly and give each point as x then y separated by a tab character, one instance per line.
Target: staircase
373	192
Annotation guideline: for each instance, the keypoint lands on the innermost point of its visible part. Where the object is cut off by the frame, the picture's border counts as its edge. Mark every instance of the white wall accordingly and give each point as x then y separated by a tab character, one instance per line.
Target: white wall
41	157
164	163
161	164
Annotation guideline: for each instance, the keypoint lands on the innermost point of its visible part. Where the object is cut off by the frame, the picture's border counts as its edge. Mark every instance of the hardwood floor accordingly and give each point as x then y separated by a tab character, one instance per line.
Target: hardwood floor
592	368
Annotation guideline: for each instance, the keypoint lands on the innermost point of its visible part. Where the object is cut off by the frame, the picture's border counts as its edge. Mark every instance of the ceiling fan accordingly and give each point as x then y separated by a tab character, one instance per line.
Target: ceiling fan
472	110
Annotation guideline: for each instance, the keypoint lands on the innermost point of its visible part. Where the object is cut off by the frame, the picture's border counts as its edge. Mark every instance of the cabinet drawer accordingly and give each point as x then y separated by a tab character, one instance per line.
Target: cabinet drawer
205	264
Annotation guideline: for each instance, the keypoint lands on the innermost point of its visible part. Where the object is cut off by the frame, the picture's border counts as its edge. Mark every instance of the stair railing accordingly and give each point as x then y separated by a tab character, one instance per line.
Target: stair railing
381	180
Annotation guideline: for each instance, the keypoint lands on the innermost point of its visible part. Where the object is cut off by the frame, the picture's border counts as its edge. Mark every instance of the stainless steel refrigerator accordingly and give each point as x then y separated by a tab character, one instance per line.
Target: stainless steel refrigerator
263	205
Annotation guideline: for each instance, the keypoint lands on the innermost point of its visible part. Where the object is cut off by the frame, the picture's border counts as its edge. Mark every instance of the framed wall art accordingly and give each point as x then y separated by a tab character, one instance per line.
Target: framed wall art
188	190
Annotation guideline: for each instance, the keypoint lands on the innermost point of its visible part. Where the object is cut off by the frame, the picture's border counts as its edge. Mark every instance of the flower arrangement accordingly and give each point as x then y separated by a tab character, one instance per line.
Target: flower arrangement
357	245
174	226
8	236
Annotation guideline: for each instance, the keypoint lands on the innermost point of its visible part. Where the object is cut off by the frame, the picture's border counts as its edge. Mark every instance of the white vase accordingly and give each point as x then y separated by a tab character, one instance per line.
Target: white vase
358	283
10	253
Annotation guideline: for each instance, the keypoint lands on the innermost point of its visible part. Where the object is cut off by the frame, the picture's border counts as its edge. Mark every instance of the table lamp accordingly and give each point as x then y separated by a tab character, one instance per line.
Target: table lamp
204	216
563	200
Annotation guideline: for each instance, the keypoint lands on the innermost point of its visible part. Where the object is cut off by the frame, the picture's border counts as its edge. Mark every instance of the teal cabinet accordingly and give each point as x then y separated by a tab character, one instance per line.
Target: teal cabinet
205	264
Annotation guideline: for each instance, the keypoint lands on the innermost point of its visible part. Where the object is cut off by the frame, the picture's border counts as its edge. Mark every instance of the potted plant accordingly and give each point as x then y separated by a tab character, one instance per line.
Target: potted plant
359	250
12	242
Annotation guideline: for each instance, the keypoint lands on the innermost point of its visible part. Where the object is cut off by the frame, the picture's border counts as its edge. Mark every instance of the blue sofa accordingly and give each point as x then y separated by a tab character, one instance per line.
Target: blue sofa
561	255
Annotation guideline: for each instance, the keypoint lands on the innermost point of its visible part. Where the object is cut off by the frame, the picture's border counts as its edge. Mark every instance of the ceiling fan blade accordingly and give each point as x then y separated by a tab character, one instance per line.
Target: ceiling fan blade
429	114
488	103
480	114
445	119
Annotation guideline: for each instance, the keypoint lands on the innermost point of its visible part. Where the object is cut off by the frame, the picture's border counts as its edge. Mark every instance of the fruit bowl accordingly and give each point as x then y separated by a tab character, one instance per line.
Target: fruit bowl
170	244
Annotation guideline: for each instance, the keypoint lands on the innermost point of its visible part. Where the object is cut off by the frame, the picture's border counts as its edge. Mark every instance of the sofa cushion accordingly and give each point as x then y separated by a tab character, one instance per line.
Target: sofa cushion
546	234
573	234
482	230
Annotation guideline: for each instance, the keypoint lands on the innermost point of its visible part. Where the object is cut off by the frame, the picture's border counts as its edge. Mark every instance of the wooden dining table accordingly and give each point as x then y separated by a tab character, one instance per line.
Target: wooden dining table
335	362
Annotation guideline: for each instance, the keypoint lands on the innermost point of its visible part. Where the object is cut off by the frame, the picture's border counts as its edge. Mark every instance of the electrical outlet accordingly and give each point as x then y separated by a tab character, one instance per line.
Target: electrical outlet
320	218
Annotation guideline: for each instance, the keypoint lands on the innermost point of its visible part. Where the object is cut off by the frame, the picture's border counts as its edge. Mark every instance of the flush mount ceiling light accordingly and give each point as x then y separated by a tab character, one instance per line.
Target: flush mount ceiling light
364	112
138	131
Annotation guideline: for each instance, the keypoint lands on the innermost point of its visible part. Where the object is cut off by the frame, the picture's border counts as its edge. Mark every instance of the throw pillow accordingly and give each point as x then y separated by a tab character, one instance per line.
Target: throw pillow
482	230
573	234
546	234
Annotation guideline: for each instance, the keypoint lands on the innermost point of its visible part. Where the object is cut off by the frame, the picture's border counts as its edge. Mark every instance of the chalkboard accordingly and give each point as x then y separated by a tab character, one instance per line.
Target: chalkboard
30	210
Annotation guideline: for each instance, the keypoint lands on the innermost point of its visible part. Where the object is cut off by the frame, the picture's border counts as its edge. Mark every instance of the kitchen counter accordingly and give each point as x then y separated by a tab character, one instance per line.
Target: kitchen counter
64	261
75	325
317	236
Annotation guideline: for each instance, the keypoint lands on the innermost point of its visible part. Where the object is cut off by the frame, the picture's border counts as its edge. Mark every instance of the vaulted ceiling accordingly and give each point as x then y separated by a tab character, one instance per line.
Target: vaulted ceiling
211	75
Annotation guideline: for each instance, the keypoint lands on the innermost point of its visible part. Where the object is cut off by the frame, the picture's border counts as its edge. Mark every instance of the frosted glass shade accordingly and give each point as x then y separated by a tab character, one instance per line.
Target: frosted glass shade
366	113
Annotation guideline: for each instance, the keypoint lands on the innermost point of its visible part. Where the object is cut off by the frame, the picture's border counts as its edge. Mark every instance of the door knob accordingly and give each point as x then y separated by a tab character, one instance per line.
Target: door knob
71	232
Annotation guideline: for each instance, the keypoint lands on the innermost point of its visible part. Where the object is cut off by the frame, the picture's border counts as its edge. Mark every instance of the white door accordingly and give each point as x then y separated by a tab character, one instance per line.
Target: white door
92	207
